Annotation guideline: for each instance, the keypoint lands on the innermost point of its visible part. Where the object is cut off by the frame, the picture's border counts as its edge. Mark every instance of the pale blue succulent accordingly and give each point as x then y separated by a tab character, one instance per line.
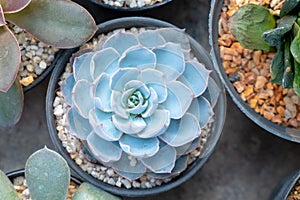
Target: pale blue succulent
137	101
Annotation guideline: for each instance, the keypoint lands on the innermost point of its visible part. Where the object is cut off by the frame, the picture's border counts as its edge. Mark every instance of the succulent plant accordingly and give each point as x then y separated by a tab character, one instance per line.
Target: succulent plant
47	175
285	37
60	23
138	101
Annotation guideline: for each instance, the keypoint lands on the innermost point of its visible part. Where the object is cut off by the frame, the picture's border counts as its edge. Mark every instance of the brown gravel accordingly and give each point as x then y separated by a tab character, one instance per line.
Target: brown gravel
249	71
295	192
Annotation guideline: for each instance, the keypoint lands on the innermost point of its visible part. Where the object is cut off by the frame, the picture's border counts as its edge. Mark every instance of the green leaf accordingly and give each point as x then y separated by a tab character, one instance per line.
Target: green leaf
288	6
277	66
87	191
295	45
10	6
47	175
11	105
7	190
274	36
10	58
288	75
248	24
60	23
296	83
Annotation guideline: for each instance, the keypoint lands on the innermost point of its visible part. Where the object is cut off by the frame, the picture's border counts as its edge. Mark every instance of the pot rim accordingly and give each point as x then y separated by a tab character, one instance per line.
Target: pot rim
185	175
280	131
128	9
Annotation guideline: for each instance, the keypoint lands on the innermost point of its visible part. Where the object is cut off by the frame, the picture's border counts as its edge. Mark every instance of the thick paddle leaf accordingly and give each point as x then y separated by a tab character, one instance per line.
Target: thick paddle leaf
62	24
10	6
11	105
7	190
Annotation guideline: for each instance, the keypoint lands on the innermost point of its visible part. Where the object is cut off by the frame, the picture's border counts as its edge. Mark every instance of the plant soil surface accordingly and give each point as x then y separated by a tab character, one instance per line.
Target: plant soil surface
249	71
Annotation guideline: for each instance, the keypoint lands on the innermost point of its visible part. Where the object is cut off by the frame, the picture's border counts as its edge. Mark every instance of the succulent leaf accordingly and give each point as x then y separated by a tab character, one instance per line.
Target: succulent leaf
295	46
248	32
89	192
182	131
152	104
212	92
288	74
102	93
80	64
40	175
83	105
14	6
179	99
170	60
2	18
195	76
123	76
296	83
163	161
78	125
67	88
11	105
10	58
7	190
103	150
73	25
277	65
288	6
132	125
139	57
157	123
188	147
117	42
105	60
139	147
155	39
116	104
201	108
176	36
103	126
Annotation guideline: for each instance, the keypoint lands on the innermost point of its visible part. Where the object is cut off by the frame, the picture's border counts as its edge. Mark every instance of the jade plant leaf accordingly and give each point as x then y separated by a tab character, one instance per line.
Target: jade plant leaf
59	23
288	6
274	36
277	65
11	105
248	32
9	58
7	190
10	6
43	181
296	83
89	192
295	45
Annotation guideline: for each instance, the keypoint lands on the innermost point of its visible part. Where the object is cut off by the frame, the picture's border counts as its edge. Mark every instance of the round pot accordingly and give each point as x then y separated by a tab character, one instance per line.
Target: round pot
100	3
284	188
41	77
281	131
217	126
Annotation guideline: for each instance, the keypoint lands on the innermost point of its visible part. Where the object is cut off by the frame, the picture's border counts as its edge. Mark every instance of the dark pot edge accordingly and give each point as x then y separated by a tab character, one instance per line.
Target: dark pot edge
280	131
138	21
127	9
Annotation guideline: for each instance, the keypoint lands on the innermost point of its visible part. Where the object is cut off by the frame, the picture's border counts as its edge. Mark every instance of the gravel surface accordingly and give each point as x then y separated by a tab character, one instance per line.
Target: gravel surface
130	3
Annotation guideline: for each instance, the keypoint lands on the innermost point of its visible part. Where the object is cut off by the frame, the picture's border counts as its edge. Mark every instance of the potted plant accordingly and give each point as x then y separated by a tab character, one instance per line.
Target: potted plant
139	111
47	176
131	5
62	24
247	71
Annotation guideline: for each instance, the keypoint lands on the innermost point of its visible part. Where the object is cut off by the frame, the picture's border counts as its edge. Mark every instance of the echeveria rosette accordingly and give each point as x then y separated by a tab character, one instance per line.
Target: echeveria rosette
138	101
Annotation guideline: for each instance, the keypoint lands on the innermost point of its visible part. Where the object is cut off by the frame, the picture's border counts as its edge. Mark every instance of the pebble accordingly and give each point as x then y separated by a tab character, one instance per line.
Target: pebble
131	3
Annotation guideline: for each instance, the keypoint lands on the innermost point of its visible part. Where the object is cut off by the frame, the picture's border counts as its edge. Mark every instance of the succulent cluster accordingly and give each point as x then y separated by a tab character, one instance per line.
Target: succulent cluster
138	101
59	23
255	28
48	177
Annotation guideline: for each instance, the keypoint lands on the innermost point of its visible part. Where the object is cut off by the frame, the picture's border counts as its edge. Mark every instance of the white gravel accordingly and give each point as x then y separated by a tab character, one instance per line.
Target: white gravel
130	3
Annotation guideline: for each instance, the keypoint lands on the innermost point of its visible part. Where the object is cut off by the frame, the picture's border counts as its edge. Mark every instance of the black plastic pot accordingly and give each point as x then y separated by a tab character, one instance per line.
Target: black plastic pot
21	172
45	73
285	187
219	110
281	131
100	3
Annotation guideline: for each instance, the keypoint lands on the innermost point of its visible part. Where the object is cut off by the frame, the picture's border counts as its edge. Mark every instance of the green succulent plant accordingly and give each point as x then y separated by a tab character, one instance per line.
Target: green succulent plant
59	23
139	101
285	37
47	175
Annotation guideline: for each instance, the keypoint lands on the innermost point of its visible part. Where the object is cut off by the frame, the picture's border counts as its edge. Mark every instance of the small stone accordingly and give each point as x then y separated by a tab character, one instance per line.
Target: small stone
43	65
58	111
260	82
126	183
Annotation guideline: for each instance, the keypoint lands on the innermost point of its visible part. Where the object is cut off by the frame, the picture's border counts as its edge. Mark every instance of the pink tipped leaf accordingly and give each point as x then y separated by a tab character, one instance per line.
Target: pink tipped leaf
10	58
2	18
13	6
60	23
